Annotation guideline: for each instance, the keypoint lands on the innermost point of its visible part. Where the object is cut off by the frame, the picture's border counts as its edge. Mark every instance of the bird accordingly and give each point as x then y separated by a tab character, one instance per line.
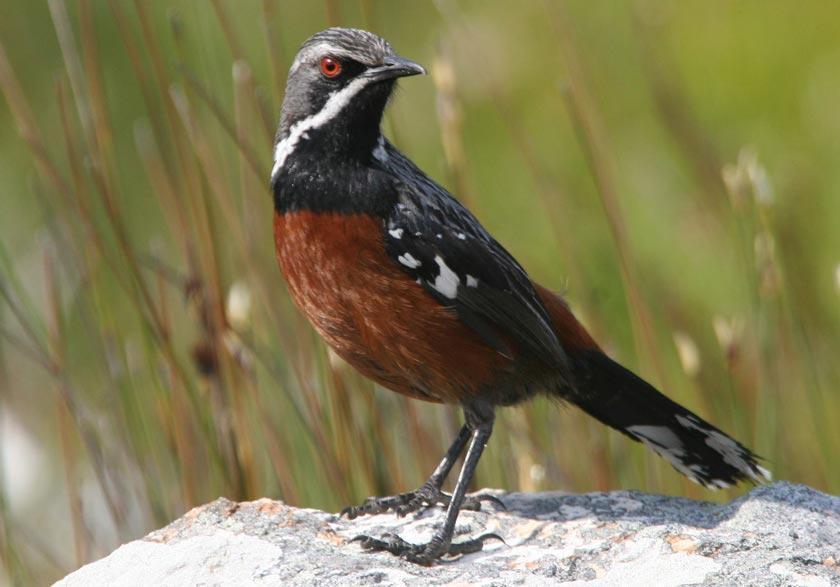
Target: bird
404	283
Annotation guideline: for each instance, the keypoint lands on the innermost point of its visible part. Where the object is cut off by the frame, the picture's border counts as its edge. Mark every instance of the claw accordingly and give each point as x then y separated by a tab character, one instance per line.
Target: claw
414	501
376	505
473	502
491	536
389	542
494	500
423	554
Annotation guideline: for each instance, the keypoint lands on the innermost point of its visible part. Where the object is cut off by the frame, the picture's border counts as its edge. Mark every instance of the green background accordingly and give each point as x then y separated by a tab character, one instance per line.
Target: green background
670	166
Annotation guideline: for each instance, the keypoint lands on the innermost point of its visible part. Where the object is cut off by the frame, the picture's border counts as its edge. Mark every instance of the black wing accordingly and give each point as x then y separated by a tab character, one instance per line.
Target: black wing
442	246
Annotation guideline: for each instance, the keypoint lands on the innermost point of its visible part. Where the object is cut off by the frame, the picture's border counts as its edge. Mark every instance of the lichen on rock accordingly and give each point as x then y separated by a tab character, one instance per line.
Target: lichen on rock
780	534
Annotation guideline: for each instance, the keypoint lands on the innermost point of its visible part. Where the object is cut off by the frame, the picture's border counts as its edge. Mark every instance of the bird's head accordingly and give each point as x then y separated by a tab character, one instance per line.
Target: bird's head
339	84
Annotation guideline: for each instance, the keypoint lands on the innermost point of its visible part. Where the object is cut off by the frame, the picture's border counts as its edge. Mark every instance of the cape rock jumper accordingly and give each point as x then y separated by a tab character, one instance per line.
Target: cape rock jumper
405	284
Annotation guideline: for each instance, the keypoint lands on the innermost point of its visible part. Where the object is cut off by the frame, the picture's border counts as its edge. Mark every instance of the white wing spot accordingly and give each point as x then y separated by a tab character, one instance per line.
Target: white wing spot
396	233
462	236
409	261
447	280
472	281
379	152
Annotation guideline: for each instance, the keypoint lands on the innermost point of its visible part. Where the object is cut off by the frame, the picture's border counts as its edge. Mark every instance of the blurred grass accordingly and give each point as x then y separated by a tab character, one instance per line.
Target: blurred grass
671	167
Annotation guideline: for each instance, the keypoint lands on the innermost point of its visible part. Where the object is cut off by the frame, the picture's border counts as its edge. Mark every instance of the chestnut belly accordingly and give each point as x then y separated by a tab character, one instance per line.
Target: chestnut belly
374	315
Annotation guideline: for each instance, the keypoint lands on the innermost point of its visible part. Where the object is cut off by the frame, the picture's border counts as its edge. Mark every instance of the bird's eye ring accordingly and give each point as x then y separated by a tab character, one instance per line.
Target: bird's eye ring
330	66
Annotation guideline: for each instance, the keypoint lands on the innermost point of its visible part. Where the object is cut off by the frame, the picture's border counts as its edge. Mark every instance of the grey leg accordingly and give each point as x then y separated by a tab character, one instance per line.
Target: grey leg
426	495
479	418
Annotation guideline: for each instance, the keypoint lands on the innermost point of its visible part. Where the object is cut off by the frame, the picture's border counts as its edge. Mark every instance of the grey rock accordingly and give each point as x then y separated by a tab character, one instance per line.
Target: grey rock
780	534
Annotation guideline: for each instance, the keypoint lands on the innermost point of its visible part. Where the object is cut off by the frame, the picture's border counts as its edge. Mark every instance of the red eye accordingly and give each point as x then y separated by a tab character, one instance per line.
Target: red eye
330	67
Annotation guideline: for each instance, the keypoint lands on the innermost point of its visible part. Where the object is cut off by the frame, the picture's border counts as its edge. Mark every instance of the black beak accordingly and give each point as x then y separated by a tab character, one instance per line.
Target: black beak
395	67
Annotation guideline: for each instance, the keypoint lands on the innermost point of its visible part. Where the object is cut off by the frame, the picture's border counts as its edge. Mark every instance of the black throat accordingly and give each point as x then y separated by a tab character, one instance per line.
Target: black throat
332	168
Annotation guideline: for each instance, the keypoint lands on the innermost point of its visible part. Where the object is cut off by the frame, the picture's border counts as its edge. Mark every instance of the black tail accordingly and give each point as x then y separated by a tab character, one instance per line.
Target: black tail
695	448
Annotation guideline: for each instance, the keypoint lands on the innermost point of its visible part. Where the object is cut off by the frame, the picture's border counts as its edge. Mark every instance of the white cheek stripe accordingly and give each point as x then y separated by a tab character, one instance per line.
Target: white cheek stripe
335	104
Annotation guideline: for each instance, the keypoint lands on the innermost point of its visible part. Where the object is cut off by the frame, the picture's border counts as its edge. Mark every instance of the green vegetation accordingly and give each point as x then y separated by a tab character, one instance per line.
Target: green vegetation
671	166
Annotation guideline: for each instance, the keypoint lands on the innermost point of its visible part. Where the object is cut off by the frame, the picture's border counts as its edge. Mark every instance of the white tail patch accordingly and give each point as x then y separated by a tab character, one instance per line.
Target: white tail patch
660	435
729	450
765	474
664	442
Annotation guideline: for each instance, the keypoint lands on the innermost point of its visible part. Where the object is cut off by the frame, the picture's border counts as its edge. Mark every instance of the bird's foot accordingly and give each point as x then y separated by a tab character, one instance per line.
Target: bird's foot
405	503
423	554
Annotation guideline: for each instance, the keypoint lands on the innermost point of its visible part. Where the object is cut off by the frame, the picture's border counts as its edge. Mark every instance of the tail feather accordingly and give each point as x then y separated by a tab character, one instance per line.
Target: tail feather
697	449
628	403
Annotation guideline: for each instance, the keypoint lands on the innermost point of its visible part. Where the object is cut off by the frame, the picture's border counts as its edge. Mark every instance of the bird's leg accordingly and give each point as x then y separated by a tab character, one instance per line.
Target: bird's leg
480	427
425	493
428	494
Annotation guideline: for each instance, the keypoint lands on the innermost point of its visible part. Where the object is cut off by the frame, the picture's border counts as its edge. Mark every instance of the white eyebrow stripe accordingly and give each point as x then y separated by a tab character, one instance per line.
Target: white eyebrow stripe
318	50
335	104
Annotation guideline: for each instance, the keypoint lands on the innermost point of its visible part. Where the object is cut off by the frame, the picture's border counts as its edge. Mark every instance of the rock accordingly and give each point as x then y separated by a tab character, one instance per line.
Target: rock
781	534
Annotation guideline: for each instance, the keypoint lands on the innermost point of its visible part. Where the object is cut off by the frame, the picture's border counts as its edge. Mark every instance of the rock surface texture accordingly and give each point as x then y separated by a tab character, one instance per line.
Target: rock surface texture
780	534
